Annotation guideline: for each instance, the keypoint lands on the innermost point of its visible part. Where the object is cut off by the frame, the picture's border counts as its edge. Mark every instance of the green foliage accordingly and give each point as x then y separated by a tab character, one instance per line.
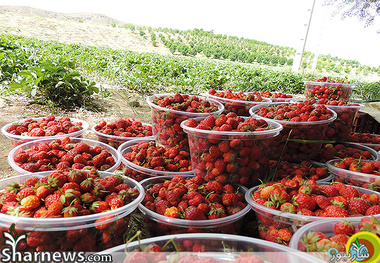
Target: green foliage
142	33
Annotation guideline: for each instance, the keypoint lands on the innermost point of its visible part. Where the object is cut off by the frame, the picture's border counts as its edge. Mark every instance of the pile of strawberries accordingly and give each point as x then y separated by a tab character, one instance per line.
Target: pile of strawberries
241	102
340	129
297	171
218	154
368	139
338	150
49	126
359	166
304	136
308	199
273	95
149	155
69	193
192	199
63	153
166	122
326	88
125	128
343	230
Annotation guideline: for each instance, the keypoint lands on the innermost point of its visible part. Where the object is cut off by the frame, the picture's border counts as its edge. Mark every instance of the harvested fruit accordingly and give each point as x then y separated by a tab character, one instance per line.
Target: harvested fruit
76	153
52	202
304	127
343	150
274	96
326	88
190	204
169	110
147	159
231	148
116	132
33	128
237	102
340	129
367	139
280	207
358	172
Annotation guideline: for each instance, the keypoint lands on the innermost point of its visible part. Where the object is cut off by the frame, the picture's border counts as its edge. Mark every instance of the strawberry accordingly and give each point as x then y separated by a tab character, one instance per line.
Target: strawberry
302	200
373	210
322	201
172	212
285	234
193	213
358	206
344	227
54	209
99	206
161	206
30	202
329	190
336	211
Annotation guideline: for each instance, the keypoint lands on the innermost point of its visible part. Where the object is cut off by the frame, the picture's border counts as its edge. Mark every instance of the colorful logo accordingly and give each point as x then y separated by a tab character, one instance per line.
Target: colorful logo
363	247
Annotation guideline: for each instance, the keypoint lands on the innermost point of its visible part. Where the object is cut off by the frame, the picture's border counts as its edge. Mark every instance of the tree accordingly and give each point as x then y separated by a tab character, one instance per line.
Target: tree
364	10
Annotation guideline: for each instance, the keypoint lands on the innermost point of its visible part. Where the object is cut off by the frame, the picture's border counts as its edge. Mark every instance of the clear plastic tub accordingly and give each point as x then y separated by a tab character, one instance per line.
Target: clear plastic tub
240	107
267	217
247	168
20	139
336	91
27	146
116	141
321	159
364	180
56	230
166	122
220	247
340	129
313	131
163	225
138	172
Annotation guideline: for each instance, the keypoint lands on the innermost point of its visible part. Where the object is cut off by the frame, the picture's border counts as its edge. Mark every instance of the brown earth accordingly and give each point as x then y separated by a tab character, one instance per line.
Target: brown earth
95	30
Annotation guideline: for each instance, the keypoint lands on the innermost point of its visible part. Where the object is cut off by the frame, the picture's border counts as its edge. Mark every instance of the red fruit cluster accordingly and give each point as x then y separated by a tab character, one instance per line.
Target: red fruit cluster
62	153
340	129
297	172
151	156
192	199
236	102
368	139
325	88
343	230
49	126
230	158
166	122
70	193
333	200
125	128
338	150
273	95
360	166
301	124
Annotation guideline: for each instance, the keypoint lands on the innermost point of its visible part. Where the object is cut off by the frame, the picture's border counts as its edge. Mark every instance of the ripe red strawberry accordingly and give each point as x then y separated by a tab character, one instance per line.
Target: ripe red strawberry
358	206
373	210
288	208
86	243
25	192
329	190
339	201
336	211
350	192
229	199
99	206
193	213
31	181
322	201
344	227
302	200
285	234
54	209
214	186
161	206
36	238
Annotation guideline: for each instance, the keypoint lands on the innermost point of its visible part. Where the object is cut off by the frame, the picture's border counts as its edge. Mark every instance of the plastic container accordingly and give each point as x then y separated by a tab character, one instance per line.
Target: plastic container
313	131
27	146
166	122
240	107
267	217
340	129
116	141
138	172
57	230
323	157
336	91
20	139
220	247
163	225
366	139
363	180
247	167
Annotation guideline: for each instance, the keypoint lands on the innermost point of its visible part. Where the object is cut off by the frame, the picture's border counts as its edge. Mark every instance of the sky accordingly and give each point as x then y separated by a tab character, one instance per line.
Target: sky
279	22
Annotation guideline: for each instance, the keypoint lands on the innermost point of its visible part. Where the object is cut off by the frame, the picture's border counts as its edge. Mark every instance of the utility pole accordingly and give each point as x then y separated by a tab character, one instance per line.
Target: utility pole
300	50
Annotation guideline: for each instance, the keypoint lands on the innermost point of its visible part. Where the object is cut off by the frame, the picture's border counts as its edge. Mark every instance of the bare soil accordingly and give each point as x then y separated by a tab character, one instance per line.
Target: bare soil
95	30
